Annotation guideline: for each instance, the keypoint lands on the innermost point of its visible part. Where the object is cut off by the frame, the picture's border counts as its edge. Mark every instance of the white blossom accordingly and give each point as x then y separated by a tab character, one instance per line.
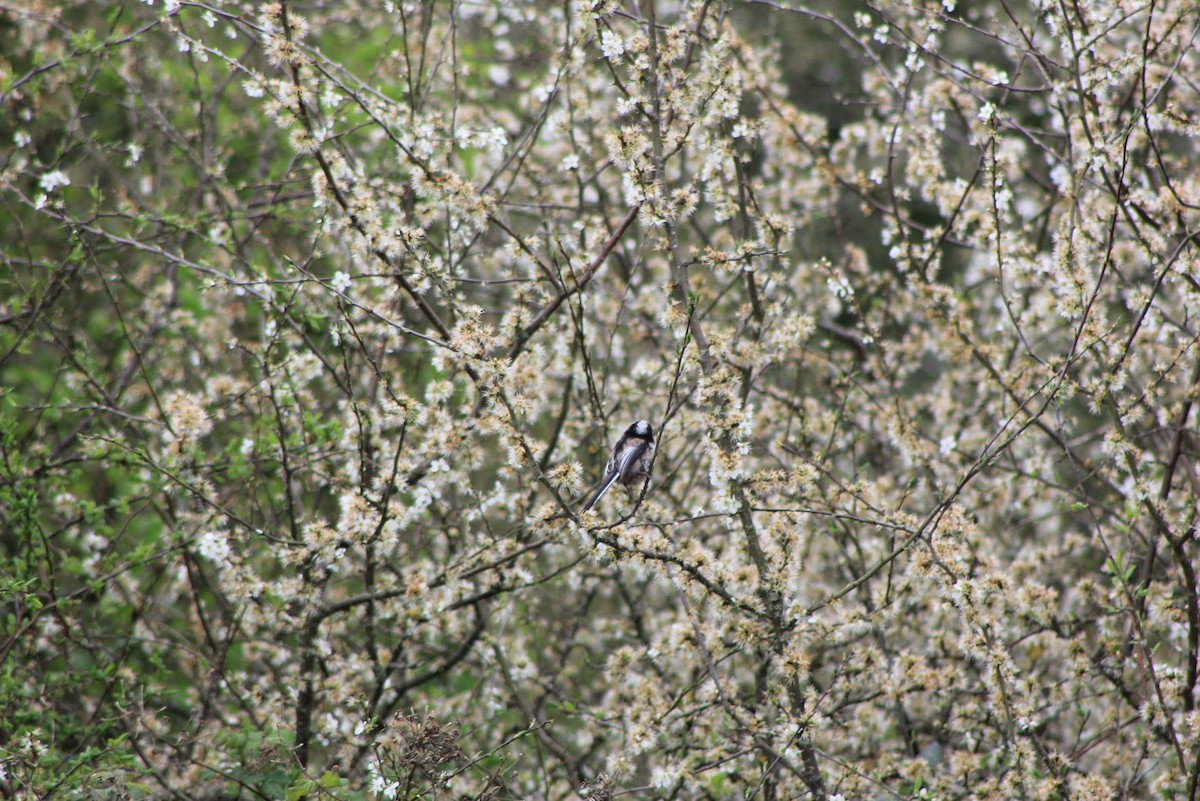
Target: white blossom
611	45
340	281
214	546
53	179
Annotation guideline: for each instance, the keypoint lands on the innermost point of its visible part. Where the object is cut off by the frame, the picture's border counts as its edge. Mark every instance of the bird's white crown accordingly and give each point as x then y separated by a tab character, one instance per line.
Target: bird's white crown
642	428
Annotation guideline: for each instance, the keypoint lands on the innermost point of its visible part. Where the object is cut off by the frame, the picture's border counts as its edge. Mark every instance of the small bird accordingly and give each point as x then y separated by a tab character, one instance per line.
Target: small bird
630	460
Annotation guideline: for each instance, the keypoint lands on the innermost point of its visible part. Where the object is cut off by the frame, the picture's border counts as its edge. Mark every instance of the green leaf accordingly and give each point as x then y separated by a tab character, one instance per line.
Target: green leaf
299	789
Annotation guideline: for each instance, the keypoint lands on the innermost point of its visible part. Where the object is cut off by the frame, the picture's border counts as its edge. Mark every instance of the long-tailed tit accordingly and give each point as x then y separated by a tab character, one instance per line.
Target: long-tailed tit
630	460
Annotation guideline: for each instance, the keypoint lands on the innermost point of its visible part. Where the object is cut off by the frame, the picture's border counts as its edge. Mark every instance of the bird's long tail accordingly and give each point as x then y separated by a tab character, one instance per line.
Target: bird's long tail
608	482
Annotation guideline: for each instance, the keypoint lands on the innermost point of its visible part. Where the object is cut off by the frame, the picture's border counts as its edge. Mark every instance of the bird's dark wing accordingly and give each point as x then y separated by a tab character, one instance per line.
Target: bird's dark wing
629	458
620	467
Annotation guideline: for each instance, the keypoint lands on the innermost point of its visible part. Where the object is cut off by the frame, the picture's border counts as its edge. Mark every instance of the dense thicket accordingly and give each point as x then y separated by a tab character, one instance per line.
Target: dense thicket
317	322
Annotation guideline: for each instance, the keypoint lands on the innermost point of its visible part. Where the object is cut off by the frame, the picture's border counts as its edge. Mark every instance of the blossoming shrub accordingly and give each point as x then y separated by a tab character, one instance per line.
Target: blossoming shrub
319	322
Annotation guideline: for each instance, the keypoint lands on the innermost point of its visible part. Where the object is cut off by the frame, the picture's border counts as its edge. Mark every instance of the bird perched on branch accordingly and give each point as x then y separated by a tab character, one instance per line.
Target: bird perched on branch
630	460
